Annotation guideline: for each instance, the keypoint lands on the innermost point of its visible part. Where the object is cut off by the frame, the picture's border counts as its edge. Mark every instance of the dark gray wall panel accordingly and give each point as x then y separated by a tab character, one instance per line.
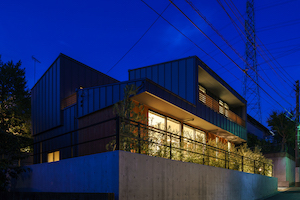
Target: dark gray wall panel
44	101
107	95
178	76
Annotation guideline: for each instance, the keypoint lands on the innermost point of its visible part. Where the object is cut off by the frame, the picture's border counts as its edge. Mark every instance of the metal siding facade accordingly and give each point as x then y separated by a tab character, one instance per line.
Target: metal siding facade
155	74
75	74
132	75
91	101
175	78
182	79
192	82
116	93
97	98
102	97
168	76
46	111
161	75
149	73
143	72
109	95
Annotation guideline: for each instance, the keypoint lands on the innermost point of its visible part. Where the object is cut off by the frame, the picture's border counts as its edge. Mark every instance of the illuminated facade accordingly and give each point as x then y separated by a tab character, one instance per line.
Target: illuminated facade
183	96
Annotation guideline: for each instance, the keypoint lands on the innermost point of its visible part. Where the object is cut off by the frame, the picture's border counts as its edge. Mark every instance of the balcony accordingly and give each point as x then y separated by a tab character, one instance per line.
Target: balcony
124	134
221	108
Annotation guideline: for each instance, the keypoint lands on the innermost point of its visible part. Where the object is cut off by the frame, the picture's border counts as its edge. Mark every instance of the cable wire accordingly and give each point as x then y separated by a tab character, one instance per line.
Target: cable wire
226	54
139	39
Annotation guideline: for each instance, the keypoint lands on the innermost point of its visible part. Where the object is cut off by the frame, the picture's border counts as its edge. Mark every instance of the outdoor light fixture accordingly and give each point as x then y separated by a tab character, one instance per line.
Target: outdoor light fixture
260	169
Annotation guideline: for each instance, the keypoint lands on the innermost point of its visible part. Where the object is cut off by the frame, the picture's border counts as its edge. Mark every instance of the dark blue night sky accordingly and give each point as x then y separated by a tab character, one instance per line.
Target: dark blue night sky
99	33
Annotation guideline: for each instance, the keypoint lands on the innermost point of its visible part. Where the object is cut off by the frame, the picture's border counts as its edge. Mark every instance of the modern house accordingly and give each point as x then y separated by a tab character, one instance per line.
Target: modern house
185	104
183	95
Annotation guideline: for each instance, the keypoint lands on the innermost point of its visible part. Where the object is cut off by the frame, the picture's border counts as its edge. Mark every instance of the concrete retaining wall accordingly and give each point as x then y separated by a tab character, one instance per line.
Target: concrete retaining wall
97	173
284	168
144	177
133	176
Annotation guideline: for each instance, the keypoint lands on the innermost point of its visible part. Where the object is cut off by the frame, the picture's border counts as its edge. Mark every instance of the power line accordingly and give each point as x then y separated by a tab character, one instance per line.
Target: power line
261	48
270	6
225	53
283	40
188	38
224	40
266	61
139	39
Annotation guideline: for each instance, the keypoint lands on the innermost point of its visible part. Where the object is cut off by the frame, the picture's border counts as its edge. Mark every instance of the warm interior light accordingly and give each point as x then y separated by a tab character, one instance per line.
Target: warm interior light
53	156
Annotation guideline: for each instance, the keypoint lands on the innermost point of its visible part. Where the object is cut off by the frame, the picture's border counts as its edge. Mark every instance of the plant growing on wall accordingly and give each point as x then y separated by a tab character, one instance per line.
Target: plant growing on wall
132	131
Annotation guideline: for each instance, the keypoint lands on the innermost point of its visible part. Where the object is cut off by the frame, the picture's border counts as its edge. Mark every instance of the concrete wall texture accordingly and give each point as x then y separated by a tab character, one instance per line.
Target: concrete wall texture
97	173
284	168
144	177
134	176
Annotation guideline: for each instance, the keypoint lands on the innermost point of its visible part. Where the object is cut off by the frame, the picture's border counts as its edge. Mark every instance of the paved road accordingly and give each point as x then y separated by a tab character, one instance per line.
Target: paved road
292	193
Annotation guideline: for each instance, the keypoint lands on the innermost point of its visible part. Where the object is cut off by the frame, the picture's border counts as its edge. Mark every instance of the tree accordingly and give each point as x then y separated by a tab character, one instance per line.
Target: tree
284	129
133	135
14	120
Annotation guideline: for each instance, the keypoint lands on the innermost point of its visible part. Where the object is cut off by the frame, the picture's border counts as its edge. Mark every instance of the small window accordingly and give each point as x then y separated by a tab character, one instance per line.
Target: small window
202	94
53	156
221	108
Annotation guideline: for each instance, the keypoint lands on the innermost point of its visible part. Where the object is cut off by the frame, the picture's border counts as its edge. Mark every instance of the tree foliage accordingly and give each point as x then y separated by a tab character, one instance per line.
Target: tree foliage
133	135
284	129
14	120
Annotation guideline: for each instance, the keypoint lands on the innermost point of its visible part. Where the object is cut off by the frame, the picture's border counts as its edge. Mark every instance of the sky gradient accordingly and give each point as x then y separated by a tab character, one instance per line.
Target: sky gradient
100	33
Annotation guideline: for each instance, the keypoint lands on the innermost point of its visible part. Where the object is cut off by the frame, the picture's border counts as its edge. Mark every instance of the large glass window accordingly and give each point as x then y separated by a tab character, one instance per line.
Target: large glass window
156	120
188	133
173	126
200	136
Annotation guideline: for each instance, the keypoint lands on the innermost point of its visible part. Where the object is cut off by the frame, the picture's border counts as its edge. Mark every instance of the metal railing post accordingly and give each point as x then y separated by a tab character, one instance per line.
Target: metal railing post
71	142
139	138
117	133
242	163
225	160
171	146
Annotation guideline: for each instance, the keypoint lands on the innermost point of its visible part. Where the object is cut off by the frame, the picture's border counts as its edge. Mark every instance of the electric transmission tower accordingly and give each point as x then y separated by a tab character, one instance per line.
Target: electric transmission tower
250	88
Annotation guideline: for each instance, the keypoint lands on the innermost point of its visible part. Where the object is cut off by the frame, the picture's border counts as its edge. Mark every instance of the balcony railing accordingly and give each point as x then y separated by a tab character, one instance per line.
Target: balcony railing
215	105
127	135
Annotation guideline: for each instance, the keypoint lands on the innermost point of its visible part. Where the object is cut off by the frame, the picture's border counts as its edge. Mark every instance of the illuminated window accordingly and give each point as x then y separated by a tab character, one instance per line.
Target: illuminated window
173	126
221	107
53	156
202	92
188	133
156	120
200	136
226	109
164	123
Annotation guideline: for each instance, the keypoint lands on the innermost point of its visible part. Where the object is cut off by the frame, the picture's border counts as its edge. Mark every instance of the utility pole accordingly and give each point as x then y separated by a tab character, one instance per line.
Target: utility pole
35	60
251	89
